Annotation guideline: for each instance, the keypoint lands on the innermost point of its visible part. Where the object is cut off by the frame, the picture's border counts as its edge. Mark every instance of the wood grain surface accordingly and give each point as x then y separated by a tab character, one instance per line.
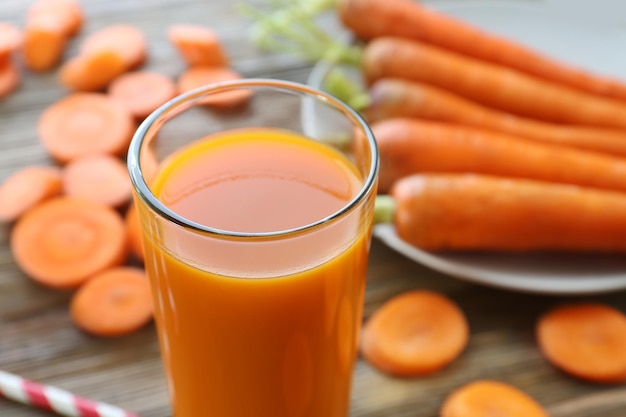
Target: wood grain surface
38	341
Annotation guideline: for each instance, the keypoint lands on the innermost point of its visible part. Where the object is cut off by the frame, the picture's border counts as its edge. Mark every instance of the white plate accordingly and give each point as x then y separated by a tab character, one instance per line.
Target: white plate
598	48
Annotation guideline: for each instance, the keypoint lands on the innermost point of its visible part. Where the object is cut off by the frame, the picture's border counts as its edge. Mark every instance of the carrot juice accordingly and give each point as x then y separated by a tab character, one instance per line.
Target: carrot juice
263	320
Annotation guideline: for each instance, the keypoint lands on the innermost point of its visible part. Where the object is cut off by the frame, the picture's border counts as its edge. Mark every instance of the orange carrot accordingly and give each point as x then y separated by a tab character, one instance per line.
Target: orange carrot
410	146
85	124
390	98
11	38
68	13
586	340
9	78
479	212
197	45
415	333
133	230
490	398
61	242
100	178
142	92
92	71
370	19
125	40
26	188
45	40
199	76
489	84
115	302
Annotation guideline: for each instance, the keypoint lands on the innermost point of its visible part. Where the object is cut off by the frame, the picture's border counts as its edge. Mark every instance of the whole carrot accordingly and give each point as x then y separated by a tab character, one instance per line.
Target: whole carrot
395	97
480	212
492	85
410	146
370	19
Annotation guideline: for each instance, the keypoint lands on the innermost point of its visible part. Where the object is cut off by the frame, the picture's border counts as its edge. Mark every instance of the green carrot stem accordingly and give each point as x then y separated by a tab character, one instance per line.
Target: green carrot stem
290	28
384	209
352	93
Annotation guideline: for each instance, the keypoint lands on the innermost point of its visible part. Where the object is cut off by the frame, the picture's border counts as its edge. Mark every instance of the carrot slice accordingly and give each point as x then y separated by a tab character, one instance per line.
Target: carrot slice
9	78
197	45
85	124
585	340
142	92
93	71
44	43
115	302
125	40
11	38
199	76
61	242
100	178
133	230
26	188
415	333
490	398
68	13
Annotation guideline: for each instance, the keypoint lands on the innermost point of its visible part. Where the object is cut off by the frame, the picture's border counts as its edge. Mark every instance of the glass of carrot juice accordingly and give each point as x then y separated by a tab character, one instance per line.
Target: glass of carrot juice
256	216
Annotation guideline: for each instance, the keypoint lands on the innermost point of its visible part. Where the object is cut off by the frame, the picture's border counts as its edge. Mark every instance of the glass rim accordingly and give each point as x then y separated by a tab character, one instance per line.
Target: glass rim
142	190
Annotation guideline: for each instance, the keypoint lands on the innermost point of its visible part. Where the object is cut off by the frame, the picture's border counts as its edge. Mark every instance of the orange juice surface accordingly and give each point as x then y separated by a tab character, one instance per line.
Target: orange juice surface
265	327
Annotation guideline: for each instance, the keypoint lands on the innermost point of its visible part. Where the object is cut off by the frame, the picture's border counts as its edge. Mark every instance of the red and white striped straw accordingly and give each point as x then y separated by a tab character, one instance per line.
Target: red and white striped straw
54	399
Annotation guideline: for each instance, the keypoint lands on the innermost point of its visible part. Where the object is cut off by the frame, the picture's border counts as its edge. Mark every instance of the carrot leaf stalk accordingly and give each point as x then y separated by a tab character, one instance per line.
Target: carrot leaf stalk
312	7
384	209
341	86
291	28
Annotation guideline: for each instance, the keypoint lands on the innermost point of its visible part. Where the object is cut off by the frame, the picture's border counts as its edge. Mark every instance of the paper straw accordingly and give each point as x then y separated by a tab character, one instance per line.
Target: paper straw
54	399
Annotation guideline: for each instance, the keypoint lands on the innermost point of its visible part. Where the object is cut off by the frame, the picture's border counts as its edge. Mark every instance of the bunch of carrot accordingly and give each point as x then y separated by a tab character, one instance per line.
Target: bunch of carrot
444	97
74	226
486	144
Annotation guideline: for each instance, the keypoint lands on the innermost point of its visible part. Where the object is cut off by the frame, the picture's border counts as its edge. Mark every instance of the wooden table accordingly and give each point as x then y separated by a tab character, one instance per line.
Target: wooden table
38	341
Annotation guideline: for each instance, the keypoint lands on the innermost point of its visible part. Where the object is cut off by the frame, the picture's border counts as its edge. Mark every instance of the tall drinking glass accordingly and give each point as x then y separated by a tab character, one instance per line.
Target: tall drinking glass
256	227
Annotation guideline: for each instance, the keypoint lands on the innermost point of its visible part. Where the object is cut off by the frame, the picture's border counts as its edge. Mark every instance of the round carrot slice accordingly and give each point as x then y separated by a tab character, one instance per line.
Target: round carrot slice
133	230
125	40
114	302
9	78
100	178
197	45
85	124
415	333
142	92
585	340
63	241
91	72
490	398
199	76
26	188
